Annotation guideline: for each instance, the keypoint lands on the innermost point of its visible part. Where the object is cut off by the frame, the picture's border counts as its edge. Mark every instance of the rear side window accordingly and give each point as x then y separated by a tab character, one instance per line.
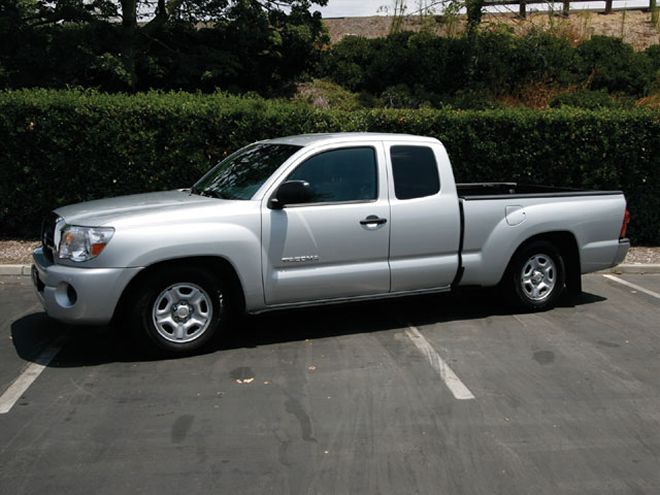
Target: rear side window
348	174
415	172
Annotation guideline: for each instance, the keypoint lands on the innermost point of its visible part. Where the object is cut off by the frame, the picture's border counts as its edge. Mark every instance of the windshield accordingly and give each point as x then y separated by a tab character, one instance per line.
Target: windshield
241	174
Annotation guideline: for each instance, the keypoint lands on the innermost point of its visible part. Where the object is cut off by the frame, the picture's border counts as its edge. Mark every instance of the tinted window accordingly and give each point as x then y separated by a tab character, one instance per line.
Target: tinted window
240	175
415	172
340	175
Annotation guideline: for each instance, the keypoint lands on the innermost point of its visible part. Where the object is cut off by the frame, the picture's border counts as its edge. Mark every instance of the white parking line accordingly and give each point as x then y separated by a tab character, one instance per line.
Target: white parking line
29	375
633	286
454	384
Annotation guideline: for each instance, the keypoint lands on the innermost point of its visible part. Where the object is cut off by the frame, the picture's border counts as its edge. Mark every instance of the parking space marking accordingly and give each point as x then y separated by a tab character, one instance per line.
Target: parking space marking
454	384
633	286
29	375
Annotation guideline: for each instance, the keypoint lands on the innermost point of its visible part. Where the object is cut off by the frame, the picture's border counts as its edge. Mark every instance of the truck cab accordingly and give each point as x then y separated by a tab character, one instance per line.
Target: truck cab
380	217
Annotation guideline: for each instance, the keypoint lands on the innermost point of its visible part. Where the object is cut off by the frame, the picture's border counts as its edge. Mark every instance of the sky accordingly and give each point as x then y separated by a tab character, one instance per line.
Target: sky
354	8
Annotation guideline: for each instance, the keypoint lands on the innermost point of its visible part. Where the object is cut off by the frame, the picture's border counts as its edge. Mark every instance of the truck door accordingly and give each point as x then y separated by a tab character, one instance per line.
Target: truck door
425	221
337	244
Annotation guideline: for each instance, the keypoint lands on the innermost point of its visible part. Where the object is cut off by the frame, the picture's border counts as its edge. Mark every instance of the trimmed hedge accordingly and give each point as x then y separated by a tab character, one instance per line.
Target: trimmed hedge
59	147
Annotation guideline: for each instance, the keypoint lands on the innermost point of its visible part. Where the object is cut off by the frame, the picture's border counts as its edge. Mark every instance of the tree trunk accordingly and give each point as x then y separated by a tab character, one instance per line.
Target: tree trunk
129	38
159	20
474	10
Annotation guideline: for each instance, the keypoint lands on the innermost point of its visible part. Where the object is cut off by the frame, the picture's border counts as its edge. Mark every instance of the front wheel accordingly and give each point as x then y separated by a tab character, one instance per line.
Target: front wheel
537	276
180	311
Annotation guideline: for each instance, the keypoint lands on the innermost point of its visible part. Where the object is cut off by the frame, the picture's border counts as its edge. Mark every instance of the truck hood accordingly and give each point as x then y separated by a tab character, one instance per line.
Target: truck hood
107	211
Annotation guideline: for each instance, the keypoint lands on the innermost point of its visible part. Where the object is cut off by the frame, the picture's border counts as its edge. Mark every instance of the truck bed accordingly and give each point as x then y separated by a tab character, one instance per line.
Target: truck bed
495	190
497	217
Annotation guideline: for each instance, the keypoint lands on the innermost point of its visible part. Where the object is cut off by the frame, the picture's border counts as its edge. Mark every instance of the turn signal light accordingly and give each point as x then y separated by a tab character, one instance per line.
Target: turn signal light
96	249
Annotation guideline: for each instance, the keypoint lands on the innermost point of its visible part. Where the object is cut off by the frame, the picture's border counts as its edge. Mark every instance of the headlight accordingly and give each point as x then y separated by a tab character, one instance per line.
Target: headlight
83	243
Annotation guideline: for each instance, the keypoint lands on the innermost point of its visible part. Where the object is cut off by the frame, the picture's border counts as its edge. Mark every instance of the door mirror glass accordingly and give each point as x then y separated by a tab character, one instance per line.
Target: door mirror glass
290	193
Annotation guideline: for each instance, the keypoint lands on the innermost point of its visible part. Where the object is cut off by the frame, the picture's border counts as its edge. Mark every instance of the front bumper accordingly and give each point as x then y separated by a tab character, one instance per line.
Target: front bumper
79	295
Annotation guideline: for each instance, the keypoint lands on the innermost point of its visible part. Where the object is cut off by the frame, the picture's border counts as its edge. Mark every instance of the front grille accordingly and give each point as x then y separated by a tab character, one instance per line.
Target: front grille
48	235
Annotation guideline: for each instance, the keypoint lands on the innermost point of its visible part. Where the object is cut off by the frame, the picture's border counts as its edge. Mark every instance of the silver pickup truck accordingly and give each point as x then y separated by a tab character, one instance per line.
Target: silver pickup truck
316	219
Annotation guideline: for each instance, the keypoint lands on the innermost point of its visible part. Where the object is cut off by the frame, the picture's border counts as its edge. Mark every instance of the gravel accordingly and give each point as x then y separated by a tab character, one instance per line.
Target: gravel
643	256
14	252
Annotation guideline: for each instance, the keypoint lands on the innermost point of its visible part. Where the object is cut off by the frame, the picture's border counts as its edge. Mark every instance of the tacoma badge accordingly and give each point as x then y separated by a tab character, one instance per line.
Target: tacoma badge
300	259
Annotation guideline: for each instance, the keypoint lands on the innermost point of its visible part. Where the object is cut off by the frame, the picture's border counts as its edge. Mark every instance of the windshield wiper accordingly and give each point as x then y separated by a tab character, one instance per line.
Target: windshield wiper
209	193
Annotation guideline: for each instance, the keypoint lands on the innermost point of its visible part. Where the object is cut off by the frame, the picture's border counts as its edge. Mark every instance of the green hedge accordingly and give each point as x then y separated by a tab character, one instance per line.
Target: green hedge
59	147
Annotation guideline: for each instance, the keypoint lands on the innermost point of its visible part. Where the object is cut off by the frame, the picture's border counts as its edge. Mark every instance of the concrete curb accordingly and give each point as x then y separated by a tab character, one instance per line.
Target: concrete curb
15	269
638	269
631	268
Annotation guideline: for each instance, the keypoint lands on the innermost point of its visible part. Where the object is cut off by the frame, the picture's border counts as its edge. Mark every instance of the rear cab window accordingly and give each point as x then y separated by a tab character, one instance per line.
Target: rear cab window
414	171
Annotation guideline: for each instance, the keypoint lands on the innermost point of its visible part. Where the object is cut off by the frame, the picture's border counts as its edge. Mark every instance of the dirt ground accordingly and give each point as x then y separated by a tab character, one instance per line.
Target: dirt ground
19	252
634	26
16	252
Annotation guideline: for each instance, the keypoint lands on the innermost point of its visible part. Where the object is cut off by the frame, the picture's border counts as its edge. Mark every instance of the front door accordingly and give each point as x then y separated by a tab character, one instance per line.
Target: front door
337	244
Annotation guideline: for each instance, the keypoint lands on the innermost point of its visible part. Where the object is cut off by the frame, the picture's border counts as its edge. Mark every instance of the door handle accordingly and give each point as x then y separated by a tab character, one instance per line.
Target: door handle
373	219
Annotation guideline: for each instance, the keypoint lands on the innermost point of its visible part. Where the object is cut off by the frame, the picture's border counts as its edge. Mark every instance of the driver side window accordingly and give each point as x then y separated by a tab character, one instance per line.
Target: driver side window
347	174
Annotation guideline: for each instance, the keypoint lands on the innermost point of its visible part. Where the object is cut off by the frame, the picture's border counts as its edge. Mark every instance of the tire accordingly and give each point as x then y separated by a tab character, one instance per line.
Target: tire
181	310
536	276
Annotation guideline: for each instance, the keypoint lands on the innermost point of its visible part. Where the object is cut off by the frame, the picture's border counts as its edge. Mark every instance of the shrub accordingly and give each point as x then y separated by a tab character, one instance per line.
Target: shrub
398	96
472	100
590	100
326	94
540	56
493	55
610	64
412	59
433	64
494	64
345	63
60	147
653	54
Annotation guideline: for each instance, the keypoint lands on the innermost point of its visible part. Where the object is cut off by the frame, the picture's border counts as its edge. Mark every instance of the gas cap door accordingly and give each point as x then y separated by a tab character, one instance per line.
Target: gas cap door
515	214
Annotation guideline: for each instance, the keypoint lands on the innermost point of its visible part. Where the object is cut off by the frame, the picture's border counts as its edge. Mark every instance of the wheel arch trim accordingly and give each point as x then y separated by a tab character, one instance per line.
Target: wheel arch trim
221	267
567	245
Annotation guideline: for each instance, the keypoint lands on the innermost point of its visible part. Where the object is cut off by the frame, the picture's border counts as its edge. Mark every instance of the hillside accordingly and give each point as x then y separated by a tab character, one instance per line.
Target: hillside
633	26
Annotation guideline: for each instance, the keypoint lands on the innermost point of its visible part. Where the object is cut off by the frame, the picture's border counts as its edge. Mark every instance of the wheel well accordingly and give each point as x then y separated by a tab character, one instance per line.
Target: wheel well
566	244
219	267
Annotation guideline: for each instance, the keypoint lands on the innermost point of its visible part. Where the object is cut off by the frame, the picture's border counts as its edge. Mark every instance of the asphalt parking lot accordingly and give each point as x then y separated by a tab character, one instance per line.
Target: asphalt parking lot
444	395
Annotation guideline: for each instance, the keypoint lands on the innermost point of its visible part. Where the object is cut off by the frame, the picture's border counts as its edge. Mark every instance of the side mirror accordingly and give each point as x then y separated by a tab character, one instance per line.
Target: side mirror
290	193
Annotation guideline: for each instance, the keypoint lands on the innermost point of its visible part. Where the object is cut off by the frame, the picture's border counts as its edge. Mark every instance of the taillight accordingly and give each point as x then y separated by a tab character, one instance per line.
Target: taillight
624	226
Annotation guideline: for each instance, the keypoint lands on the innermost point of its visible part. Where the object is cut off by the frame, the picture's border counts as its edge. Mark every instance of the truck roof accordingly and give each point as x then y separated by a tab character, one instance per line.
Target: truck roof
327	138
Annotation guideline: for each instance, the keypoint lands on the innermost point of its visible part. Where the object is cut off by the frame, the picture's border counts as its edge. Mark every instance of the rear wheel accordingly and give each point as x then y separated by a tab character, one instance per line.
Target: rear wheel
180	311
537	276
